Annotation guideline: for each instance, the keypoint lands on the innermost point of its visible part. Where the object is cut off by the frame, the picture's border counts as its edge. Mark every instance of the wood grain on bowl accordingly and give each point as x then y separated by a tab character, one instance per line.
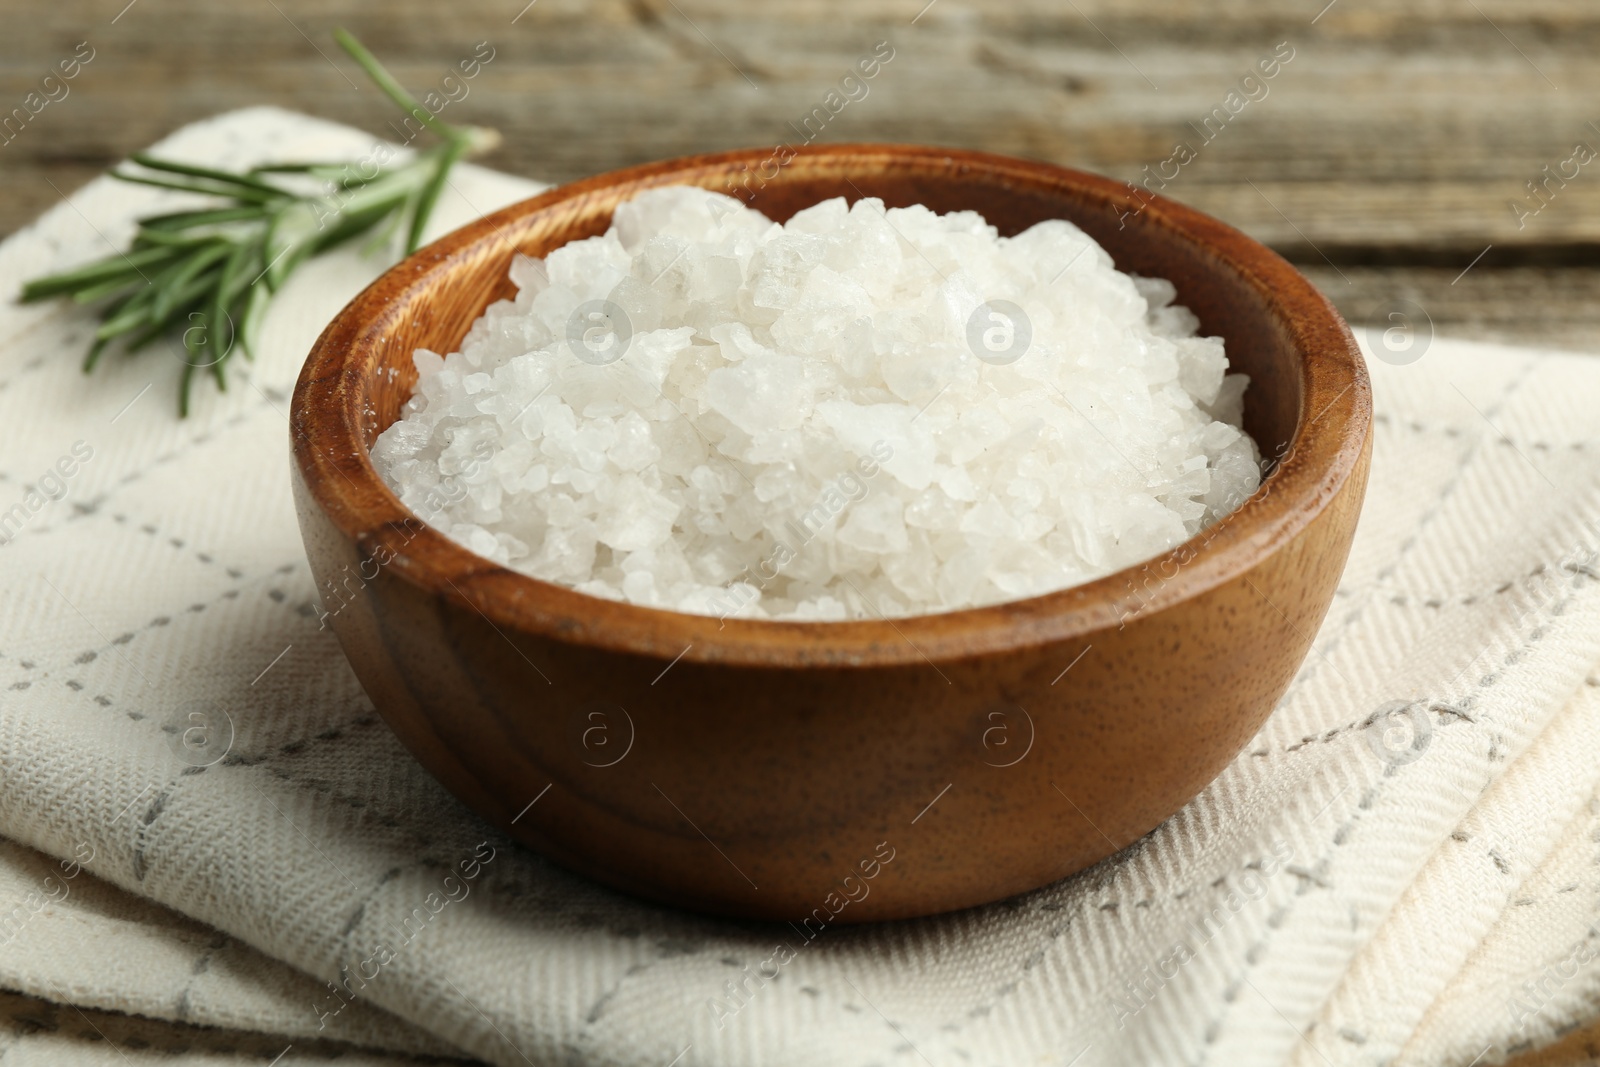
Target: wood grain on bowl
841	771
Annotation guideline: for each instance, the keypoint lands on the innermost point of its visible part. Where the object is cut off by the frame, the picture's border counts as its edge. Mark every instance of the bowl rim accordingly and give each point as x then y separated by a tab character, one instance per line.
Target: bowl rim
331	458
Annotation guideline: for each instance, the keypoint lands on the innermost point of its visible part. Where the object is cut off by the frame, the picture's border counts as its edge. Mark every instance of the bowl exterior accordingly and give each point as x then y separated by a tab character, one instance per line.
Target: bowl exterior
930	765
818	795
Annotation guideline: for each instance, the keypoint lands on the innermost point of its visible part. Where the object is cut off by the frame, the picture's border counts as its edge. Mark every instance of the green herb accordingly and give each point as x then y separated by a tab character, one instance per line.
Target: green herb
211	271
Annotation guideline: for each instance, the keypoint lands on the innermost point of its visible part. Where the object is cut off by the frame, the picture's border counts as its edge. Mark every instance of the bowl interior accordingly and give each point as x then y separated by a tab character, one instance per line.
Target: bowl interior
1278	329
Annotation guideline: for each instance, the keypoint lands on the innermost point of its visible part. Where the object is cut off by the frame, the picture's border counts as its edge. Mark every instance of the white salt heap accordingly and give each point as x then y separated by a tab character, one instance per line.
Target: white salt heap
856	413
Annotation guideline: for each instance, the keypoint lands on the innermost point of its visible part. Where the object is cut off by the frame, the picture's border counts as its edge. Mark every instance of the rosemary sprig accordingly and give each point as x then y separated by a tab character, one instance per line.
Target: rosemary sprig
210	271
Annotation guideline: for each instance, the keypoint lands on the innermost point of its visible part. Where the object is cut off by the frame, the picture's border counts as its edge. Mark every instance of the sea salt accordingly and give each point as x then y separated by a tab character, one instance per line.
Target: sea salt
857	413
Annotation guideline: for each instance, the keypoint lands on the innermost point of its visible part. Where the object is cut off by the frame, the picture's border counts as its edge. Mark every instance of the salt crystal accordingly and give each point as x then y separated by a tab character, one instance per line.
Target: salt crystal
861	412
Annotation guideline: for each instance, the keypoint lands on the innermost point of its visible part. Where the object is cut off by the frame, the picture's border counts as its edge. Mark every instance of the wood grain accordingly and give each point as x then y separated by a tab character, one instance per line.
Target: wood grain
1396	137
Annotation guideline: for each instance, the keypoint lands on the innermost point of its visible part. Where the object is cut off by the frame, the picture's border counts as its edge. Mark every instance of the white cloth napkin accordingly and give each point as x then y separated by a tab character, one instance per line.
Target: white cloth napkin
1344	893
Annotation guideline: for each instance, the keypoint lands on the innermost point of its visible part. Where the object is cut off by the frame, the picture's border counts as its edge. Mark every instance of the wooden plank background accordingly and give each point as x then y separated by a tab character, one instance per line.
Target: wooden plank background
1383	159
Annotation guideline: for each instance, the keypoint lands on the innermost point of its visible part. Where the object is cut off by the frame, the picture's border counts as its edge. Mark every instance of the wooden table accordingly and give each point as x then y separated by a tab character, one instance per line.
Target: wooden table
1385	157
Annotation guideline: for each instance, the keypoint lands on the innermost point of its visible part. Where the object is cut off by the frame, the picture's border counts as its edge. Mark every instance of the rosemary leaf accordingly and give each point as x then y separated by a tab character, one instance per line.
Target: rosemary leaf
95	351
255	306
208	272
429	196
391	88
222	176
181	220
90	293
61	284
239	192
172	293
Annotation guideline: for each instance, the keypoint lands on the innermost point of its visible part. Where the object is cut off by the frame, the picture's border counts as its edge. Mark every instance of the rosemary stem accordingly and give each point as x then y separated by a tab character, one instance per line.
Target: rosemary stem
391	88
208	272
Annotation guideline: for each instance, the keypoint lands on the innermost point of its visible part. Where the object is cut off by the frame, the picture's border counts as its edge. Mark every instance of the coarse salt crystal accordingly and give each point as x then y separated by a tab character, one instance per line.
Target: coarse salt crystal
860	412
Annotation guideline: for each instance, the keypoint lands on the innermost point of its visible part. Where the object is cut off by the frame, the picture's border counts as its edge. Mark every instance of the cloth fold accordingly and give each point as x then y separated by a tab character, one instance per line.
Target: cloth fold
1400	868
68	936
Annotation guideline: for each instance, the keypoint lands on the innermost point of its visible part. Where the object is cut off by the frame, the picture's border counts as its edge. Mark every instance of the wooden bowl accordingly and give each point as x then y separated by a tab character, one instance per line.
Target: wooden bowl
842	771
